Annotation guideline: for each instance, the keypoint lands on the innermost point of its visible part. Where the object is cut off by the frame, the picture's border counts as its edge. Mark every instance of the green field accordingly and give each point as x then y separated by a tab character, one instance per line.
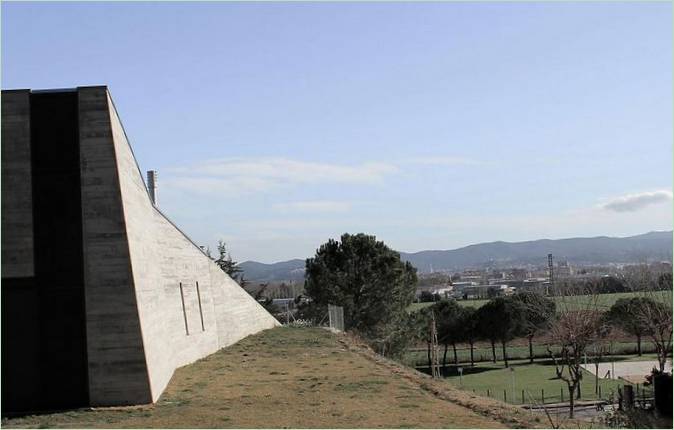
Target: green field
533	381
570	302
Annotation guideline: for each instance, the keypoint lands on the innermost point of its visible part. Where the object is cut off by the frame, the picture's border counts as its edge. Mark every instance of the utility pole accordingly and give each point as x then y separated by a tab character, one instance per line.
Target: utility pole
552	278
435	366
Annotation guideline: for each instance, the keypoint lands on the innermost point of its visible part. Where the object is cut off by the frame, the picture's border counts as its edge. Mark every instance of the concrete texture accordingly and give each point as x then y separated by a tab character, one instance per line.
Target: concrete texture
118	372
164	262
17	211
154	301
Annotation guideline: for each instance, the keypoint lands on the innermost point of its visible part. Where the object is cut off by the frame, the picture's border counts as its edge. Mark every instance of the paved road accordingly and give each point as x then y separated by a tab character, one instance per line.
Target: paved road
583	412
626	368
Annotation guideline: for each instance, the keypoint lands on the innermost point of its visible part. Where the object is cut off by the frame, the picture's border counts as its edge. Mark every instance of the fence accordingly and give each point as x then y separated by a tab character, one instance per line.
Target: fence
336	317
546	396
417	357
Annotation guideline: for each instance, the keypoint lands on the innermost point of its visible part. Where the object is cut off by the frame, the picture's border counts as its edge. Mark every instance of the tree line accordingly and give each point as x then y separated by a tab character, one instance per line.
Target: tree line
375	289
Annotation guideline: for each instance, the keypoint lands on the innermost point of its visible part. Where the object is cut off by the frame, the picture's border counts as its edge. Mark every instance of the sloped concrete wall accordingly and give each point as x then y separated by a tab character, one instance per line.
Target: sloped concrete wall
118	373
238	315
188	307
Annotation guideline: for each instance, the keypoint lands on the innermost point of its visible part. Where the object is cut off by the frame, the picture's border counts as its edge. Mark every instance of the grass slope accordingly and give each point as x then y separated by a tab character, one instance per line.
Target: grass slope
287	377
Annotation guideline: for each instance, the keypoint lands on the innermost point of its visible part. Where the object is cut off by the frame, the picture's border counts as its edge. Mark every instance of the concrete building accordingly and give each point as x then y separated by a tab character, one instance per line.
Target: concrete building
486	291
563	269
103	297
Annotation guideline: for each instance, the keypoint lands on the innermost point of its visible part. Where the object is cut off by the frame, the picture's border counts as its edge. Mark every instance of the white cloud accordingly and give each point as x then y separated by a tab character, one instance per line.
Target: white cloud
444	161
635	202
226	186
242	175
319	206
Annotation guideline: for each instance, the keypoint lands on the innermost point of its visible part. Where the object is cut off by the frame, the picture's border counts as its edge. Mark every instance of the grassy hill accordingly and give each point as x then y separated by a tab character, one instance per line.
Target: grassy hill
291	377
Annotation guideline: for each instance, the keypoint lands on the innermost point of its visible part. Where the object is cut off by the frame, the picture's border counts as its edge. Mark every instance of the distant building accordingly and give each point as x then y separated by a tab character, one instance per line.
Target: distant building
538	285
444	292
485	291
563	269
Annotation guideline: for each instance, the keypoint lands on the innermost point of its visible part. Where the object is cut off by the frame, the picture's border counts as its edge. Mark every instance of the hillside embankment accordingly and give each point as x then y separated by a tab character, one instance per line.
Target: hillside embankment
298	378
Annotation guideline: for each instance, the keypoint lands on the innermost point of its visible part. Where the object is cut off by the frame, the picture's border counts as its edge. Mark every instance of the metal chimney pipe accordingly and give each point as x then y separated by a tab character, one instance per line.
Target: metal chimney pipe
152	185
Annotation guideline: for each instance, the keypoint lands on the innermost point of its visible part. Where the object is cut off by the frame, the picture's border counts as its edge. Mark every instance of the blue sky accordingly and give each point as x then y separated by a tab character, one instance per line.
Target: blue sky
432	126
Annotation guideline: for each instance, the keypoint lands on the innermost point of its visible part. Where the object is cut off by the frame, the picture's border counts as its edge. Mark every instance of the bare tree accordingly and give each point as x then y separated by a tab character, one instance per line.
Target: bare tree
654	311
602	346
575	329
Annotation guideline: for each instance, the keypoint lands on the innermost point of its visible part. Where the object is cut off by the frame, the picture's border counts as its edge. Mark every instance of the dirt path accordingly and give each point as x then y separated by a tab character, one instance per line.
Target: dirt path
302	378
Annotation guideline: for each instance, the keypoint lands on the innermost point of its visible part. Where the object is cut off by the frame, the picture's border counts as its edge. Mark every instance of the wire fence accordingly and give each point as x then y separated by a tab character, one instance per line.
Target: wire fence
416	357
336	317
643	394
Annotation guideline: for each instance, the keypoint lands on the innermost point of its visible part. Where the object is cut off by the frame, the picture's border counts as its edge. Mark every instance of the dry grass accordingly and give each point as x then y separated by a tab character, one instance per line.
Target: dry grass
299	378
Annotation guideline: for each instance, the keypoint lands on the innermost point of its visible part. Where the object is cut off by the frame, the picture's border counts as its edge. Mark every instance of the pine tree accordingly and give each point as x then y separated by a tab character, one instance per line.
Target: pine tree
365	277
229	266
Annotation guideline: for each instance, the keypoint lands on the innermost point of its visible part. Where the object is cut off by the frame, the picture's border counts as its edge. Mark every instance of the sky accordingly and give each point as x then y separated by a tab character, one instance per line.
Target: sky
276	126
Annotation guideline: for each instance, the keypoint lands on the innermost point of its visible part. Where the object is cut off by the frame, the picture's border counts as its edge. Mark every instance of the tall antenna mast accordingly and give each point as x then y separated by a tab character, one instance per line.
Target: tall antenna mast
552	278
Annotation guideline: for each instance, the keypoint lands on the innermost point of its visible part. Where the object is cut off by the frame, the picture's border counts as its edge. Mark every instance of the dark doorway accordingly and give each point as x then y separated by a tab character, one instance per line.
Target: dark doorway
44	354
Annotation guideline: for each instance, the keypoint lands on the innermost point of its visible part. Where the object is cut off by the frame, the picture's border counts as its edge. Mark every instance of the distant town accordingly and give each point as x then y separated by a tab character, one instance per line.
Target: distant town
487	284
489	274
478	284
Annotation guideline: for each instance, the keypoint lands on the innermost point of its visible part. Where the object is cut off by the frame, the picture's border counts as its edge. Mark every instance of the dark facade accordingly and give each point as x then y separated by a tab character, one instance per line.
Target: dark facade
44	363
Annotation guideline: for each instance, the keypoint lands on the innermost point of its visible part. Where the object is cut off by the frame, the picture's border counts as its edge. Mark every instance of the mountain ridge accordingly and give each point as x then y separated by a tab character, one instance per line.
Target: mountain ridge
576	250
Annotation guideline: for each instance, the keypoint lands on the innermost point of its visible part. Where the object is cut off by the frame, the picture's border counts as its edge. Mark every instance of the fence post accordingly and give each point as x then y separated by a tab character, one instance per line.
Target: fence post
522	396
330	316
542	396
628	395
620	399
505	397
488	394
600	392
662	394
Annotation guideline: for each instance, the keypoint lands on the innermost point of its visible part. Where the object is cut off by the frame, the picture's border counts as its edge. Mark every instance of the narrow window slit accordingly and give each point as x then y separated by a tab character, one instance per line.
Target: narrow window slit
182	299
201	313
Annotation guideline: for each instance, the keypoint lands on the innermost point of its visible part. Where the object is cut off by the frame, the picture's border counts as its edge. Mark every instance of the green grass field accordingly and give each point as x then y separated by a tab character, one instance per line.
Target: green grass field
536	382
569	302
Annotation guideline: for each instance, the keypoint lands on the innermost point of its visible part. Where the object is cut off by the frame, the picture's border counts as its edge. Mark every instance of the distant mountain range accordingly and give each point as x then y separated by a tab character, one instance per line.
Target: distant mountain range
655	245
291	270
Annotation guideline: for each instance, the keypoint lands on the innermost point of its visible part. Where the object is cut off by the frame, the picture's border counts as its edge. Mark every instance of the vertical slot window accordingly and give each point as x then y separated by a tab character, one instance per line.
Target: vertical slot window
201	313
182	299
